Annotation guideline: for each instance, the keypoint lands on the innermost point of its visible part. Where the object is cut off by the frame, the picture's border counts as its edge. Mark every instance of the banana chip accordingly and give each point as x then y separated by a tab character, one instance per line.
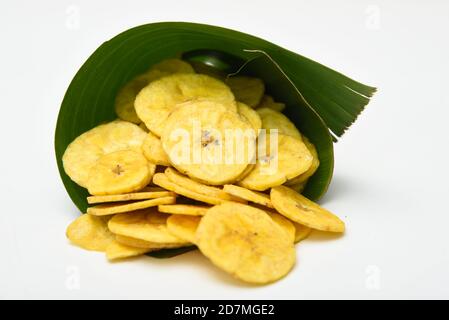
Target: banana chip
137	243
90	233
291	159
155	102
184	209
183	227
209	143
272	119
249	90
268	102
82	154
120	172
298	187
285	224
153	151
116	251
245	242
250	115
124	101
295	183
130	196
147	225
248	195
109	209
161	179
246	172
303	211
187	183
301	232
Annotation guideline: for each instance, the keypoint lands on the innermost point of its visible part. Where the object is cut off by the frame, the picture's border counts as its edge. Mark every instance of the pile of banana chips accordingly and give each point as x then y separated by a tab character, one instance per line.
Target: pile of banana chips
195	159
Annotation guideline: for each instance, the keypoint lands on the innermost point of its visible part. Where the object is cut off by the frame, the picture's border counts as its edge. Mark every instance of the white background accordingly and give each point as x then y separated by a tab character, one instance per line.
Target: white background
390	183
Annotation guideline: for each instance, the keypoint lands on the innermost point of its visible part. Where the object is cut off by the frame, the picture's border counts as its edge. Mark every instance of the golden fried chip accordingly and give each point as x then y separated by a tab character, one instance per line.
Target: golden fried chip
301	232
124	101
249	90
137	243
245	242
120	172
246	172
90	233
153	151
161	180
184	209
209	143
275	167
117	250
302	178
144	195
268	102
108	209
248	195
272	119
155	102
183	227
143	127
284	223
195	186
251	115
303	211
82	154
298	187
147	225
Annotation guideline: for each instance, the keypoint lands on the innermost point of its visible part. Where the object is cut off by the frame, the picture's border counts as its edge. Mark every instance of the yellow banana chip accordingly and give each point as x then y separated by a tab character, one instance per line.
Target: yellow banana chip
109	209
303	211
184	209
301	232
248	195
183	227
209	143
143	127
144	195
155	102
137	243
161	179
251	115
246	172
153	151
249	90
185	182
124	101
275	167
302	178
245	242
285	224
147	225
82	154
272	119
90	233
120	172
268	102
298	187
117	250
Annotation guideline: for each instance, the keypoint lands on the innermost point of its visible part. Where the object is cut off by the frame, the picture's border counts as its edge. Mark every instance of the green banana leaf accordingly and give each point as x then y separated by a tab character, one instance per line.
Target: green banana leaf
321	102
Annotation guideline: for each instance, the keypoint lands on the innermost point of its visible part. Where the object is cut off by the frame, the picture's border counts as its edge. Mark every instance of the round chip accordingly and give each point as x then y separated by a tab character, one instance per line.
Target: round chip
248	195
246	172
155	102
245	242
298	187
301	232
272	119
153	151
284	223
117	250
275	167
249	90
82	154
90	233
184	209
137	243
147	225
109	209
268	102
183	227
120	172
161	179
130	197
195	186
303	211
251	115
209	143
295	183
